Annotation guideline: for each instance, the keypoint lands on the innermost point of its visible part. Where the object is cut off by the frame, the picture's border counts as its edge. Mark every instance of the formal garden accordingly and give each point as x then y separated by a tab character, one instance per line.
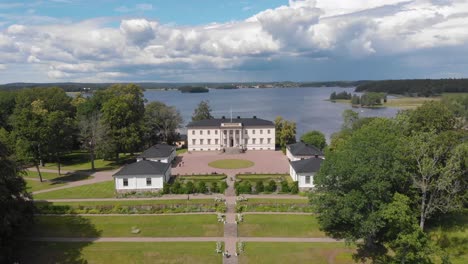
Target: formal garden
273	205
265	184
231	164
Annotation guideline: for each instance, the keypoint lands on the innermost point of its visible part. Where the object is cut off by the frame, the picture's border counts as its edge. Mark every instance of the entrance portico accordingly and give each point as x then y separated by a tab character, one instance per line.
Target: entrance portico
231	135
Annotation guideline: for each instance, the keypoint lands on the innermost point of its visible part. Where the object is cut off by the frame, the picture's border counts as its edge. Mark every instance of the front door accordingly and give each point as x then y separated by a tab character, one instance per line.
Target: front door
231	143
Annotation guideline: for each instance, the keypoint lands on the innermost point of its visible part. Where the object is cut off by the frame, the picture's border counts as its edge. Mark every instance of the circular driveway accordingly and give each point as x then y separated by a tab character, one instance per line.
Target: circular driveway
196	162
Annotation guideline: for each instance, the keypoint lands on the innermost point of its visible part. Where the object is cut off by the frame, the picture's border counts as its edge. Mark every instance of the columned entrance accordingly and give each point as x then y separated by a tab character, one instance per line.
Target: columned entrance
231	143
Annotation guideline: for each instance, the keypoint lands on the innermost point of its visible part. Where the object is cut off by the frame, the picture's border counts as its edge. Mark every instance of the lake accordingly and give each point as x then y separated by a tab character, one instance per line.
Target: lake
306	106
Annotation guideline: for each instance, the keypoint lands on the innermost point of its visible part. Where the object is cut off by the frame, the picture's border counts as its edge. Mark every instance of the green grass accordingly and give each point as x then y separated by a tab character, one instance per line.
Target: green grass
317	253
131	202
263	177
121	226
32	186
96	190
120	252
181	151
279	226
231	164
79	160
206	178
275	201
57	178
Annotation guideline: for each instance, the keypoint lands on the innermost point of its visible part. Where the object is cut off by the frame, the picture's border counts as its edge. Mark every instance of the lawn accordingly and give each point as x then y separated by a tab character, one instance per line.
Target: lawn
79	160
253	178
181	151
57	178
96	190
120	252
121	226
206	178
275	201
317	253
131	202
231	164
32	185
279	226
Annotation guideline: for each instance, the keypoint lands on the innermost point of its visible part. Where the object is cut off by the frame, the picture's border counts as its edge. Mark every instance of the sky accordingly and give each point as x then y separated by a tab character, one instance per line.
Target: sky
231	40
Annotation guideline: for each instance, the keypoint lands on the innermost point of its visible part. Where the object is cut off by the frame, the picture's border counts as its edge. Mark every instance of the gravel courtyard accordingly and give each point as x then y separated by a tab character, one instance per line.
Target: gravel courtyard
196	162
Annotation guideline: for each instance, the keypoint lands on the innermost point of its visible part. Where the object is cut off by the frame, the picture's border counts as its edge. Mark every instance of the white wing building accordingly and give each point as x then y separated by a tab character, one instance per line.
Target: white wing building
226	133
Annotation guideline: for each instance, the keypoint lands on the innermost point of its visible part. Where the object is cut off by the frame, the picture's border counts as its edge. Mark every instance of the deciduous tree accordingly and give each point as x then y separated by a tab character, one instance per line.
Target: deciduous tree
315	138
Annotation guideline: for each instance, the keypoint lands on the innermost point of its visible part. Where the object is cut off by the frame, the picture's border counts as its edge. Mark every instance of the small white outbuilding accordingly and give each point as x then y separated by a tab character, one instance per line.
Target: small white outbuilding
303	171
145	175
161	152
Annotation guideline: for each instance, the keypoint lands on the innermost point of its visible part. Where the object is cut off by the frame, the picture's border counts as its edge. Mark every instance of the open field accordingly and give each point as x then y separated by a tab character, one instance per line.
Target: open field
275	201
56	178
231	164
279	226
95	190
120	252
121	226
32	185
131	202
79	160
317	253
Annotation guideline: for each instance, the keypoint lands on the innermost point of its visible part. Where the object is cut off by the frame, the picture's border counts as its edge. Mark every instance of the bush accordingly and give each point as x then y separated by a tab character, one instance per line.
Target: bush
223	186
271	187
166	188
284	186
294	188
201	187
176	188
214	187
243	187
189	187
259	187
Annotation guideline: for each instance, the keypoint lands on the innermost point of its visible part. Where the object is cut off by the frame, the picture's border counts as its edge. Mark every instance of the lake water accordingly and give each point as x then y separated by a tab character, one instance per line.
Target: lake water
306	106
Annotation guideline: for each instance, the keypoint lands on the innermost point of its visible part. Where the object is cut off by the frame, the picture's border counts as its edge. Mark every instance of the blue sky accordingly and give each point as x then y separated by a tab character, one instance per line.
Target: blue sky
228	41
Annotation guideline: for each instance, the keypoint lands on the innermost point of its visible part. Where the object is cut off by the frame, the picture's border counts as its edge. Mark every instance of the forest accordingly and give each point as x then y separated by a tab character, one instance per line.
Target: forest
426	87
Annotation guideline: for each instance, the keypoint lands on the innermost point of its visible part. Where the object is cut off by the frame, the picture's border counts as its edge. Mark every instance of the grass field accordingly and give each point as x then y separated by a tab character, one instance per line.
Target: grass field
32	185
121	226
279	226
206	178
317	253
57	178
120	252
132	202
181	151
231	164
79	160
275	201
263	177
96	190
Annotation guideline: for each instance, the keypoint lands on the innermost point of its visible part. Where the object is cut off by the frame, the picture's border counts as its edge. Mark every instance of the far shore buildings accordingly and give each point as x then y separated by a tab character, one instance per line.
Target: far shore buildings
151	171
231	133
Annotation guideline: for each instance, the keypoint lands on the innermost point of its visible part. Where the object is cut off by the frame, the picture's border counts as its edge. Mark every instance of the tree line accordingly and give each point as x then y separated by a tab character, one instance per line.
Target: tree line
385	179
419	87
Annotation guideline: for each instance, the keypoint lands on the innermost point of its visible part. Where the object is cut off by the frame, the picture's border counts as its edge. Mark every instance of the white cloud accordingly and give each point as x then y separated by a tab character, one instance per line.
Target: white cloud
315	32
3	67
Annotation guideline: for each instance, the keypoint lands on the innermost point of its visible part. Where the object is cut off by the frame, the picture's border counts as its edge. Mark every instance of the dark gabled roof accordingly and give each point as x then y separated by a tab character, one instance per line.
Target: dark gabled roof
306	165
216	122
303	149
158	151
144	167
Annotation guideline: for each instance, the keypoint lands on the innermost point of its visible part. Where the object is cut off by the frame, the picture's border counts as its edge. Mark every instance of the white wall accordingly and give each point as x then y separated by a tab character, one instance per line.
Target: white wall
301	178
194	134
139	182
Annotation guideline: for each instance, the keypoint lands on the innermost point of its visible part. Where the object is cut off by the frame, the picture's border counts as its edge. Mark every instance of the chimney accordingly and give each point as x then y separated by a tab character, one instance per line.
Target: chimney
255	117
223	117
238	117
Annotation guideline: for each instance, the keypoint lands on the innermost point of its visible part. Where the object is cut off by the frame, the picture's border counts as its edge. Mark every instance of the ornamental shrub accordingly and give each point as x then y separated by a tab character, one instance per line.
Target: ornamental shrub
189	187
176	188
294	188
214	187
284	186
223	186
201	187
259	187
271	187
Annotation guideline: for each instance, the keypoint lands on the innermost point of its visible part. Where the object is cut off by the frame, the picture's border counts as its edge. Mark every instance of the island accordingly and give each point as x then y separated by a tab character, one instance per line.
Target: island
191	89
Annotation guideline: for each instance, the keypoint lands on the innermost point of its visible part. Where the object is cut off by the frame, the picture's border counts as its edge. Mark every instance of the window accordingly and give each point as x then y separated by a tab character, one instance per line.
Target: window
246	141
208	132
253	140
193	132
269	140
148	181
307	179
237	132
261	141
209	141
216	132
225	132
193	142
253	131
268	131
125	182
201	141
216	141
201	132
230	132
261	131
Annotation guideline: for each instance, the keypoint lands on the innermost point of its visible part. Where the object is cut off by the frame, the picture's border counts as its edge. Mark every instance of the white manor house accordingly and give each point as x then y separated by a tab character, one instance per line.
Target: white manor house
231	133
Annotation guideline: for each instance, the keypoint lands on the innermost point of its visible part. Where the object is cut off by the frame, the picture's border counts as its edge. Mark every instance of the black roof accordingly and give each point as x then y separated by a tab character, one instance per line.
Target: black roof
144	167
216	122
303	149
158	151
307	165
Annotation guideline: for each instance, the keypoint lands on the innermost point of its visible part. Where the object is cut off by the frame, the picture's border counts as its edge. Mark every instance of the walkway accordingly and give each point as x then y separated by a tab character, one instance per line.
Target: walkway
230	227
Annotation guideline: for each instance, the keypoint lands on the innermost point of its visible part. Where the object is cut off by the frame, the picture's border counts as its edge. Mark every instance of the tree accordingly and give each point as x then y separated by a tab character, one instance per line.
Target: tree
123	114
285	132
438	169
189	187
201	187
61	129
458	104
259	187
92	134
17	208
315	138
161	122
431	116
202	112
356	181
349	118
